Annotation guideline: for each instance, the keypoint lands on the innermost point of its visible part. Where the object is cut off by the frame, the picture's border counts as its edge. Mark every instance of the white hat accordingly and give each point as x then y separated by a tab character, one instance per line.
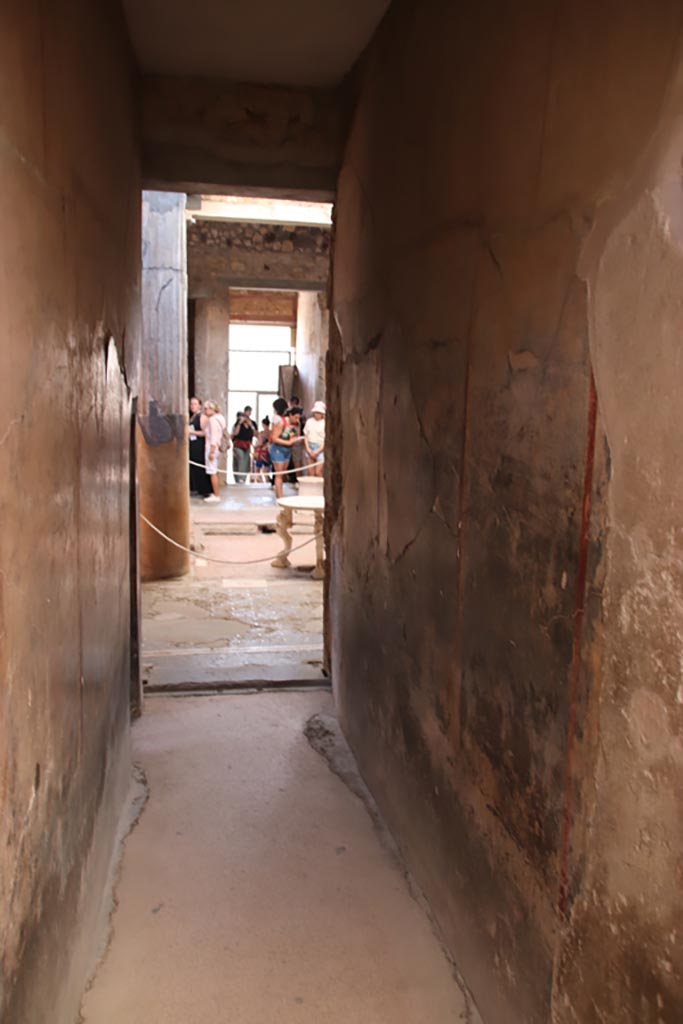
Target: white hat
319	407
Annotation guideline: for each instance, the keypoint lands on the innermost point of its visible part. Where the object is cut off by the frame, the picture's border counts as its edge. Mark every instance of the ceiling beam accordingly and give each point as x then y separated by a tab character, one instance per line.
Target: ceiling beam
220	137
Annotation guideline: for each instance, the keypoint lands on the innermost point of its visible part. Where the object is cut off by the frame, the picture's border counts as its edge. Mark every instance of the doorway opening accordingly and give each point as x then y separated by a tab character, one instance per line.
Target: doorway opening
249	613
257	354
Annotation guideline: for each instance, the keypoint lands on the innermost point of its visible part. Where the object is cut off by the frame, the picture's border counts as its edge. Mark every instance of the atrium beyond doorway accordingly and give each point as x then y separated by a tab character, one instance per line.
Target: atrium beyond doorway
257	352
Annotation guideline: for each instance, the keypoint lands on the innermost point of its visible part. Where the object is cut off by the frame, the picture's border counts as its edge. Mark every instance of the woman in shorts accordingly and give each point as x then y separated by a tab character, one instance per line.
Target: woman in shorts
283	437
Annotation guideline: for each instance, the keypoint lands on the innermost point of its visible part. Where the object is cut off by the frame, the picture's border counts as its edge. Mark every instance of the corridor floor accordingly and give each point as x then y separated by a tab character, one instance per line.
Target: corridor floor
240	619
254	888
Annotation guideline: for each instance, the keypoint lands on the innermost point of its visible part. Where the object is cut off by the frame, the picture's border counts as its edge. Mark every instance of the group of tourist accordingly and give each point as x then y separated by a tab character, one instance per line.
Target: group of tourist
207	442
285	446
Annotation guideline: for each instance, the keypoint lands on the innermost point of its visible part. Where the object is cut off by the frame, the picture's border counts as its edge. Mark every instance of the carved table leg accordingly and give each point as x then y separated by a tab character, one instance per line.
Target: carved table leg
283	526
319	571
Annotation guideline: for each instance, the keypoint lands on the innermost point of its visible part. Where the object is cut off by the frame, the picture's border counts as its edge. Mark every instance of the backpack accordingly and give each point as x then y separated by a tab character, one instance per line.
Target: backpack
224	442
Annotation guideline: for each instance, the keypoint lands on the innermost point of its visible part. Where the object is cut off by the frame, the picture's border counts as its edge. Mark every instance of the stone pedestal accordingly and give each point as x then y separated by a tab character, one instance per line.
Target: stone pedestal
162	449
287	507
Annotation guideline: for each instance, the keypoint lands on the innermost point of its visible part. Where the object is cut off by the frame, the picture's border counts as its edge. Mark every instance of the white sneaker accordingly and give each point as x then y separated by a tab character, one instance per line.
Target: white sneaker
212	499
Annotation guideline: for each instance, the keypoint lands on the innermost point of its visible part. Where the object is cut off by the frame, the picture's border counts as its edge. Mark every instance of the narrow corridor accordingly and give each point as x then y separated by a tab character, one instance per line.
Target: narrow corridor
488	594
254	887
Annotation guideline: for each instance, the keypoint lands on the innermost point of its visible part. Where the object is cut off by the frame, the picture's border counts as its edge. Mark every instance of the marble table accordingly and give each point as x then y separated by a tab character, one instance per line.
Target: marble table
288	506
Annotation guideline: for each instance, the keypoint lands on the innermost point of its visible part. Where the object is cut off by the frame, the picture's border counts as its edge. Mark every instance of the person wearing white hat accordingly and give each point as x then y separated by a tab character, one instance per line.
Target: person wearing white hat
314	439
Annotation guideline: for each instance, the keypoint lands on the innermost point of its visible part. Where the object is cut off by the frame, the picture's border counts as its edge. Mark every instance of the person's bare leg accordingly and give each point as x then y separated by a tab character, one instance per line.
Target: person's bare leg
279	468
214	484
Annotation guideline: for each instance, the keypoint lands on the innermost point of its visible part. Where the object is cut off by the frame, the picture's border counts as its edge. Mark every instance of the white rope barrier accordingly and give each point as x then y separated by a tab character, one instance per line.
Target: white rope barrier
220	561
250	472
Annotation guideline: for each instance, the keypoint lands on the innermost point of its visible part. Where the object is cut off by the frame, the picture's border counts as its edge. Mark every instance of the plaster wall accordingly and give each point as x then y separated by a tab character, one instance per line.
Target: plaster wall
506	593
312	336
69	335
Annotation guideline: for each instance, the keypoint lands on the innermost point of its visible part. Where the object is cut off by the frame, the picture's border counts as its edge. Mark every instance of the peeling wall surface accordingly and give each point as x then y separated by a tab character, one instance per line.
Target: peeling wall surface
506	589
69	331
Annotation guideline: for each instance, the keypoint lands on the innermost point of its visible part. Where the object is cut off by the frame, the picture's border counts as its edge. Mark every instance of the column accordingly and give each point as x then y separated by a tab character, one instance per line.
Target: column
211	327
162	448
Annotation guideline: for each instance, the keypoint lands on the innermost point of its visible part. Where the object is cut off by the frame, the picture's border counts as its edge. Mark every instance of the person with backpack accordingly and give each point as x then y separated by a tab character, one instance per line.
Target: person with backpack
262	467
216	442
242	437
